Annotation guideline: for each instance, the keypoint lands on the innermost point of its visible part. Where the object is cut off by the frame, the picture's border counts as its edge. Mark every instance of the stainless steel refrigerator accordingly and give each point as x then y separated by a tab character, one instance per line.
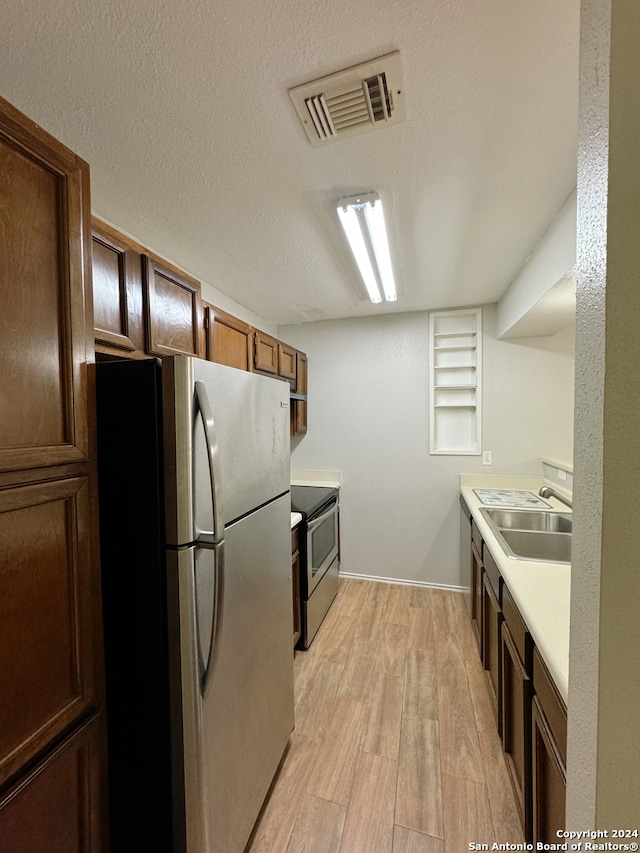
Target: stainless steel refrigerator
196	566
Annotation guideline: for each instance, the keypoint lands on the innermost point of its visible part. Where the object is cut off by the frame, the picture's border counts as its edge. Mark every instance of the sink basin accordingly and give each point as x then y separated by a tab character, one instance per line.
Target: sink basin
525	535
538	545
513	519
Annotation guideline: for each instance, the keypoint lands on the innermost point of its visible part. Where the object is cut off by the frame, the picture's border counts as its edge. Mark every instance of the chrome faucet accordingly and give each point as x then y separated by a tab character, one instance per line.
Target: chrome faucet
548	492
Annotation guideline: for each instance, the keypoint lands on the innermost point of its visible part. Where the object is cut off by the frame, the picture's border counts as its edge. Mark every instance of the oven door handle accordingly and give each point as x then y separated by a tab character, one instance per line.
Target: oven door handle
311	525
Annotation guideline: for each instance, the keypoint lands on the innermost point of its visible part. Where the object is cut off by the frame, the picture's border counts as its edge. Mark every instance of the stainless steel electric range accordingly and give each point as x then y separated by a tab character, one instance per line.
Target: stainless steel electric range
320	553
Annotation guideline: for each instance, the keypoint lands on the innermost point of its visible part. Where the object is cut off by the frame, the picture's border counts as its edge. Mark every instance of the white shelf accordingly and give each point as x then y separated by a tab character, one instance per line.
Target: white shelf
455	387
454	406
455	345
457	348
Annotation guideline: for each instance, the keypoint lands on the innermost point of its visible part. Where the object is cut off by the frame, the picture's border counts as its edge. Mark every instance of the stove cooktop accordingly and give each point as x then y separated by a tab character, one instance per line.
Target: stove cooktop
511	497
309	499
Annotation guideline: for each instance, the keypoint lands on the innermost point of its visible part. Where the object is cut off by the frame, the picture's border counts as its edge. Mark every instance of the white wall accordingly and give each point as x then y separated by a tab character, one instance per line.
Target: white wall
603	749
369	417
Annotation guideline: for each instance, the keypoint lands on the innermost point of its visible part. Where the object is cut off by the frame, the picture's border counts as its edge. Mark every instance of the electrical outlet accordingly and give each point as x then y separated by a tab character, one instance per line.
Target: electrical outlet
487	457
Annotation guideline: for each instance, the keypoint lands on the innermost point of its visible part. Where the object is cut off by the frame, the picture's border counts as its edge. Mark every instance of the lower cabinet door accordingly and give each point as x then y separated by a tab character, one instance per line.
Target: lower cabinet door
549	780
476	595
491	622
516	725
56	807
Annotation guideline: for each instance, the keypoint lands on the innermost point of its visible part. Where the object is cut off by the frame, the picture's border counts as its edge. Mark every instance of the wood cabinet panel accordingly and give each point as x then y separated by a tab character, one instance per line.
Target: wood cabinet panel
43	199
265	353
117	293
47	655
228	340
299	407
516	696
476	537
493	573
57	807
549	779
491	624
286	361
548	755
551	704
518	629
516	724
110	296
476	595
172	310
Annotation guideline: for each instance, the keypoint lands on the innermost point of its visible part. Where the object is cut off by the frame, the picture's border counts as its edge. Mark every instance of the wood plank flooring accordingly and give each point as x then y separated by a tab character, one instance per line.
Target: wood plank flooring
395	748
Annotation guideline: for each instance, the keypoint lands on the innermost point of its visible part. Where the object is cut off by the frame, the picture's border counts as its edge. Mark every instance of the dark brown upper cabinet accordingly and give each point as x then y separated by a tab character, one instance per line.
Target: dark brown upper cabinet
117	293
173	309
299	407
228	340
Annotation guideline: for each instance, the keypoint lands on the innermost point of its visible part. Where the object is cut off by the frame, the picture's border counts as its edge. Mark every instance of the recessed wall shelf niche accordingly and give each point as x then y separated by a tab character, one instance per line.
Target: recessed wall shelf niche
455	375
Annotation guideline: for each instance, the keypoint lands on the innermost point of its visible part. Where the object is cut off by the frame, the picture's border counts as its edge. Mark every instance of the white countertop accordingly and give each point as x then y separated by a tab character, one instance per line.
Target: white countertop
542	591
312	477
296	518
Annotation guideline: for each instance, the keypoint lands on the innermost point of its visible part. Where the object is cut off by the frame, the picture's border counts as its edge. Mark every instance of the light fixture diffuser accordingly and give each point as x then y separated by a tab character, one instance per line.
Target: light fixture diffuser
362	218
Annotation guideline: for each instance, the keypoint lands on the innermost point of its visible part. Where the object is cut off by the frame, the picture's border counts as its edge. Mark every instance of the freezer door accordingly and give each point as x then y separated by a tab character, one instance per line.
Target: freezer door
249	427
236	723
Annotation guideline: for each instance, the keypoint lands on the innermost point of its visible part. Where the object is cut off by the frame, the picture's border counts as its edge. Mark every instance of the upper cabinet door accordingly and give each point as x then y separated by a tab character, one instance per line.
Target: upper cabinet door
229	340
265	353
286	361
173	310
113	267
44	225
299	409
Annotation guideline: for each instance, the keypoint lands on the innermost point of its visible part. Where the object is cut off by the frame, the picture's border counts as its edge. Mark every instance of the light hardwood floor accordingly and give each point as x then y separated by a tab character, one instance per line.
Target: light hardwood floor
395	748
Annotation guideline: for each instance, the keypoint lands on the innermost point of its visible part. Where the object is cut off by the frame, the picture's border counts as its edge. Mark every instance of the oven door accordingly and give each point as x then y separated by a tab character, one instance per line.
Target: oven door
322	543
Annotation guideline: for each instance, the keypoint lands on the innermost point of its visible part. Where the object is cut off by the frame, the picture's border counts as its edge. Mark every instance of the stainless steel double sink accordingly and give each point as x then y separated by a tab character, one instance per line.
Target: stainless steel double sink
525	535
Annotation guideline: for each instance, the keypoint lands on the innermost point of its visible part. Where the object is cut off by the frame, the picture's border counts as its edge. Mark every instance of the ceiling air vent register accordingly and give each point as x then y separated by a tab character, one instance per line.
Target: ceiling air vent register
357	100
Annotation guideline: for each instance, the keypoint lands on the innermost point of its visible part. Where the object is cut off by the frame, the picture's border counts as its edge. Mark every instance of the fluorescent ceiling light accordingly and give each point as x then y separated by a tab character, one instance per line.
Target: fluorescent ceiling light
363	222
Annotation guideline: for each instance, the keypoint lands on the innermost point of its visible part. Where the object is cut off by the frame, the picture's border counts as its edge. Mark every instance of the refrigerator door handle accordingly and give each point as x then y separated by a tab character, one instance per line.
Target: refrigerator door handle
210	537
207	667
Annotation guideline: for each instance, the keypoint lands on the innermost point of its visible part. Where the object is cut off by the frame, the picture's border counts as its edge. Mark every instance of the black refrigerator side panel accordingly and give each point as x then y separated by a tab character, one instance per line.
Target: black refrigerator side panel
129	409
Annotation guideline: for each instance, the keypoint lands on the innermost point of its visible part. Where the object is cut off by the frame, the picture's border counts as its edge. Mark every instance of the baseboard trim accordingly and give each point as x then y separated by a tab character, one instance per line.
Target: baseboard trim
377	579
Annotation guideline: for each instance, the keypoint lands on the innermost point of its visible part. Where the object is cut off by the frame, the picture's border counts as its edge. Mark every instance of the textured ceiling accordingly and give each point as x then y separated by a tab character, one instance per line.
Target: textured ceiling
181	109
